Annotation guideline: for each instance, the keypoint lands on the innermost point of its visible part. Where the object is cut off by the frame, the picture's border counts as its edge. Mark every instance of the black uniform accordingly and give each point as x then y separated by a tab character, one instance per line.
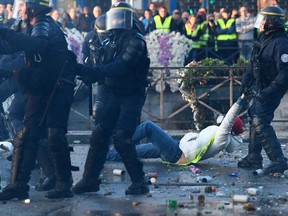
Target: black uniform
126	79
269	70
93	54
49	79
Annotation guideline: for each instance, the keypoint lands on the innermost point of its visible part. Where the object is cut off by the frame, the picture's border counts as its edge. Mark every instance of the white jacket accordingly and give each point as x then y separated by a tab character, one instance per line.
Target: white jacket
213	138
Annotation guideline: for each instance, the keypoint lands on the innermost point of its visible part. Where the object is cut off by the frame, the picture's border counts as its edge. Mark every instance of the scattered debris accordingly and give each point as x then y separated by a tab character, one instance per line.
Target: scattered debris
208	189
240	198
194	169
171	203
135	203
258	172
252	191
118	172
203	178
249	207
234	174
152	175
201	198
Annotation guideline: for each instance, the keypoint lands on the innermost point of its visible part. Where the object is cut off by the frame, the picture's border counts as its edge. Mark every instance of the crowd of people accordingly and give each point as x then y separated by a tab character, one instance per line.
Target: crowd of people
117	59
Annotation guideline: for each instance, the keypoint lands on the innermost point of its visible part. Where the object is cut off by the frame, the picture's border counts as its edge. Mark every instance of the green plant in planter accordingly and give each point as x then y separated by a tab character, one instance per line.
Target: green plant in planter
202	74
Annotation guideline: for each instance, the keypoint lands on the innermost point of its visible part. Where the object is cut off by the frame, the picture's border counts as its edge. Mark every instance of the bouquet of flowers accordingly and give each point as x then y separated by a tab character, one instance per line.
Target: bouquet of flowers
75	42
167	50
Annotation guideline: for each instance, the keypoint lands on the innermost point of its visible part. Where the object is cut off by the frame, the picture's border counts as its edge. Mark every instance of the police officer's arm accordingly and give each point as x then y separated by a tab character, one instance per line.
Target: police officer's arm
247	80
280	83
36	43
120	67
6	48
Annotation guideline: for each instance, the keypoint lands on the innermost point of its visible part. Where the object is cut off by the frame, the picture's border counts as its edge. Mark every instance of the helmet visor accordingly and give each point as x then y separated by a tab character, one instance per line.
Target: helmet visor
119	19
260	21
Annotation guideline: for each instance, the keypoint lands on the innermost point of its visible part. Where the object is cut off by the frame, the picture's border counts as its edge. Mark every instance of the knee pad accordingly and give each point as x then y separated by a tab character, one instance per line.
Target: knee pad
97	136
262	129
121	140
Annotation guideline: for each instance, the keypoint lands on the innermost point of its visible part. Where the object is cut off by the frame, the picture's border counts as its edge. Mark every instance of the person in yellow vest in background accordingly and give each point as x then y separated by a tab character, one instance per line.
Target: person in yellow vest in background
227	39
204	37
164	21
192	30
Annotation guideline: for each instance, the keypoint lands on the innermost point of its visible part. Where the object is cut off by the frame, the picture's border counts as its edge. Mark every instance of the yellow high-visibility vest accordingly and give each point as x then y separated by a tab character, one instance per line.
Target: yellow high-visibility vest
204	38
165	26
222	25
189	32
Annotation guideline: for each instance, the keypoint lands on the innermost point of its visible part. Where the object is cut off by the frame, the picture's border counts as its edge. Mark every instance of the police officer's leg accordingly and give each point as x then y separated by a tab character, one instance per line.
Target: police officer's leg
23	161
254	158
61	157
134	166
56	121
129	119
268	139
44	158
25	151
94	164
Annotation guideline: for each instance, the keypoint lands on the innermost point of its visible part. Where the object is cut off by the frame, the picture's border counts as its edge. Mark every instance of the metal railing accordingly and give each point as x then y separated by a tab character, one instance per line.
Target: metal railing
230	81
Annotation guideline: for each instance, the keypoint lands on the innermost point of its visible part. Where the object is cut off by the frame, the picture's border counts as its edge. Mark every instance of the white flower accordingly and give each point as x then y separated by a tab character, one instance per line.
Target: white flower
177	47
75	42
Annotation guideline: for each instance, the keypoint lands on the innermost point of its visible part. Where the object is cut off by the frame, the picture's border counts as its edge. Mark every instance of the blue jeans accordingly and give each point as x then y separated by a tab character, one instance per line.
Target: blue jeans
162	144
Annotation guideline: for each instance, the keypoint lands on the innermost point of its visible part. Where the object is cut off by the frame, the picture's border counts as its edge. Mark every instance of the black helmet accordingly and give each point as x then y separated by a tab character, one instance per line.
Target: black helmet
100	28
120	16
37	7
272	17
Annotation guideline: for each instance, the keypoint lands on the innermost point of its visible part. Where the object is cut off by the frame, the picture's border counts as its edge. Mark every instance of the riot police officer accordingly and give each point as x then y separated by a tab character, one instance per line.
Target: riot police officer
48	76
269	70
94	54
126	78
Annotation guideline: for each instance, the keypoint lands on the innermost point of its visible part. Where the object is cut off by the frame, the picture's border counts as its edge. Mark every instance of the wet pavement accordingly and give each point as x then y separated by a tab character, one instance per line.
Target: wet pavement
175	192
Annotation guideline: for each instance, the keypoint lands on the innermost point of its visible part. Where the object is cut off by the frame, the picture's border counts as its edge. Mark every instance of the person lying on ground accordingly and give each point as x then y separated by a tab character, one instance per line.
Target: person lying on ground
193	147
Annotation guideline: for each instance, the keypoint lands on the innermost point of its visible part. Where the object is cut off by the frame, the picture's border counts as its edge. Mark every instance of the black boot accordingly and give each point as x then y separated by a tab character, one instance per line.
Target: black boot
132	163
279	166
95	160
46	184
62	190
23	161
15	191
61	157
87	185
251	161
254	159
137	188
272	147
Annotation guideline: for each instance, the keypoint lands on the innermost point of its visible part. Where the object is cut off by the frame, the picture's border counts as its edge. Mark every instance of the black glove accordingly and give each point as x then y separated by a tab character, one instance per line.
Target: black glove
88	74
246	91
82	70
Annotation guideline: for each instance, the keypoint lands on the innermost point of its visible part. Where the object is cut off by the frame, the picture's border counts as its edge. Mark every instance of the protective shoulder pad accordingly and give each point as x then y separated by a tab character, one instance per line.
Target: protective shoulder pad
135	49
41	27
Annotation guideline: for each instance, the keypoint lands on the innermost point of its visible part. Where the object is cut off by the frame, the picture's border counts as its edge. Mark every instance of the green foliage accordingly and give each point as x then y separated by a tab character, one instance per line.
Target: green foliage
201	74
